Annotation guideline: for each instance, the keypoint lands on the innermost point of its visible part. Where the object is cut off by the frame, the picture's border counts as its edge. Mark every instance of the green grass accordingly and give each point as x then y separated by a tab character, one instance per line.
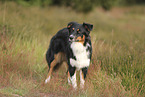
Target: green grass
118	61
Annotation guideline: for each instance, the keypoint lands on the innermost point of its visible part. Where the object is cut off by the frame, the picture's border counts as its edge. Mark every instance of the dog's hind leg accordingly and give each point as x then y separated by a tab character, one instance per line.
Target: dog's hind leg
53	63
69	82
58	58
66	66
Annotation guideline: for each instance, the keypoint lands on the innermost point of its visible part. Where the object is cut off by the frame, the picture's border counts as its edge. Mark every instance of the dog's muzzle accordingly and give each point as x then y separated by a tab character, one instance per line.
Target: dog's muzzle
76	39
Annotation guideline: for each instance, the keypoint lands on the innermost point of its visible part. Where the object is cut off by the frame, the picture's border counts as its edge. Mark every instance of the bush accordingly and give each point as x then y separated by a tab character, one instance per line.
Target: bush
107	4
32	2
78	5
83	6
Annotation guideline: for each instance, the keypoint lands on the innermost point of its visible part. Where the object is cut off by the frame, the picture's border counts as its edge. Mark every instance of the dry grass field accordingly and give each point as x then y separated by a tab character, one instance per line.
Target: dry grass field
118	63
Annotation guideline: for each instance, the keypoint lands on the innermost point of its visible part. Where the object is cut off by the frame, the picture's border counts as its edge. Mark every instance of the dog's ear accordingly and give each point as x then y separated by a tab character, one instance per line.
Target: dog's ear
88	27
70	24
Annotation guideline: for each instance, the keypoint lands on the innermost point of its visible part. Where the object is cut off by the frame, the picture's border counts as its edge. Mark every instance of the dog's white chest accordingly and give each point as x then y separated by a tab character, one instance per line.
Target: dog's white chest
81	54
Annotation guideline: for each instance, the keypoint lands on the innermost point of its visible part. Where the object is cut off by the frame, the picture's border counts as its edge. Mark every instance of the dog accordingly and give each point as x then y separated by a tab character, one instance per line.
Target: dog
72	46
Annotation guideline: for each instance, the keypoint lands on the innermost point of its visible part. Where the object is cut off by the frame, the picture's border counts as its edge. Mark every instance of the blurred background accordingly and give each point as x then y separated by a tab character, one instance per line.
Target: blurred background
79	5
118	38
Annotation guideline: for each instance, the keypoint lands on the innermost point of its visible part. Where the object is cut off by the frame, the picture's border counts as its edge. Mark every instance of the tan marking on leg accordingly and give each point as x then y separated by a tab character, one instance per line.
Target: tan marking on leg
82	80
68	77
58	58
53	63
65	64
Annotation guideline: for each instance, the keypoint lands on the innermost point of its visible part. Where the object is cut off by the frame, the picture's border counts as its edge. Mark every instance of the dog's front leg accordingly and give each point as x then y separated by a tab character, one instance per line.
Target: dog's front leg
82	80
69	81
73	80
83	73
72	71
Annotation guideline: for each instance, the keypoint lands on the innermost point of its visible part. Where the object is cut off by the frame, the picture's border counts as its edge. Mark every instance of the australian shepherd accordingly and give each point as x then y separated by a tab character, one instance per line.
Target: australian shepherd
72	46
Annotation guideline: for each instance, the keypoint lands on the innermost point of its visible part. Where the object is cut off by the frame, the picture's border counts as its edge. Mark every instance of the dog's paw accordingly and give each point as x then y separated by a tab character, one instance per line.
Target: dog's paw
47	80
82	86
69	82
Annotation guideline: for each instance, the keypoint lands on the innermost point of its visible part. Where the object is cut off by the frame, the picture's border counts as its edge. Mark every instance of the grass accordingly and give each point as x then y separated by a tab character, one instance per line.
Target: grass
118	61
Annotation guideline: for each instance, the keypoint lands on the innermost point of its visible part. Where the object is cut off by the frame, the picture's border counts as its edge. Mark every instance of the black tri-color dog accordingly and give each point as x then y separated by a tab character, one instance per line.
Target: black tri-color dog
72	46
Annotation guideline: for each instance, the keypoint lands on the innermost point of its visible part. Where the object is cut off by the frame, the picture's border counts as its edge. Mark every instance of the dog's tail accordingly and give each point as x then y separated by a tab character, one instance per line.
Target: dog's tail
49	57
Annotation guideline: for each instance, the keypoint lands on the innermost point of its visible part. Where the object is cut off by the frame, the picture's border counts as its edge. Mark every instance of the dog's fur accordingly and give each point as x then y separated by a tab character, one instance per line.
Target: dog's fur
72	46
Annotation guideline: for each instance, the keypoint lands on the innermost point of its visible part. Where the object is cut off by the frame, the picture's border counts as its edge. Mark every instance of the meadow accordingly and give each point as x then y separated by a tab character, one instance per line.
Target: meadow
118	63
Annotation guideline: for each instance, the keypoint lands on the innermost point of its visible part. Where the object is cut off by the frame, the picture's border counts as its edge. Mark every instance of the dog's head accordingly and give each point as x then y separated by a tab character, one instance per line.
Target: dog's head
79	32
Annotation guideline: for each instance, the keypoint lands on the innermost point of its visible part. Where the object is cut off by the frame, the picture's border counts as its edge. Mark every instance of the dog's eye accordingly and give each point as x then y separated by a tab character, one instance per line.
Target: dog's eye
78	30
81	36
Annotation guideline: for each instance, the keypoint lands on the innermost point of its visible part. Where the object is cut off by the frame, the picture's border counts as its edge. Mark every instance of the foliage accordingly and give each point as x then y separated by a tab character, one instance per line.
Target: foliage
83	6
78	5
32	2
107	4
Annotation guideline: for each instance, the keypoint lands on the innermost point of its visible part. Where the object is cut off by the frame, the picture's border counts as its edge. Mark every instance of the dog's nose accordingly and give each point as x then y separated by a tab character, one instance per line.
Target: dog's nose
71	37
